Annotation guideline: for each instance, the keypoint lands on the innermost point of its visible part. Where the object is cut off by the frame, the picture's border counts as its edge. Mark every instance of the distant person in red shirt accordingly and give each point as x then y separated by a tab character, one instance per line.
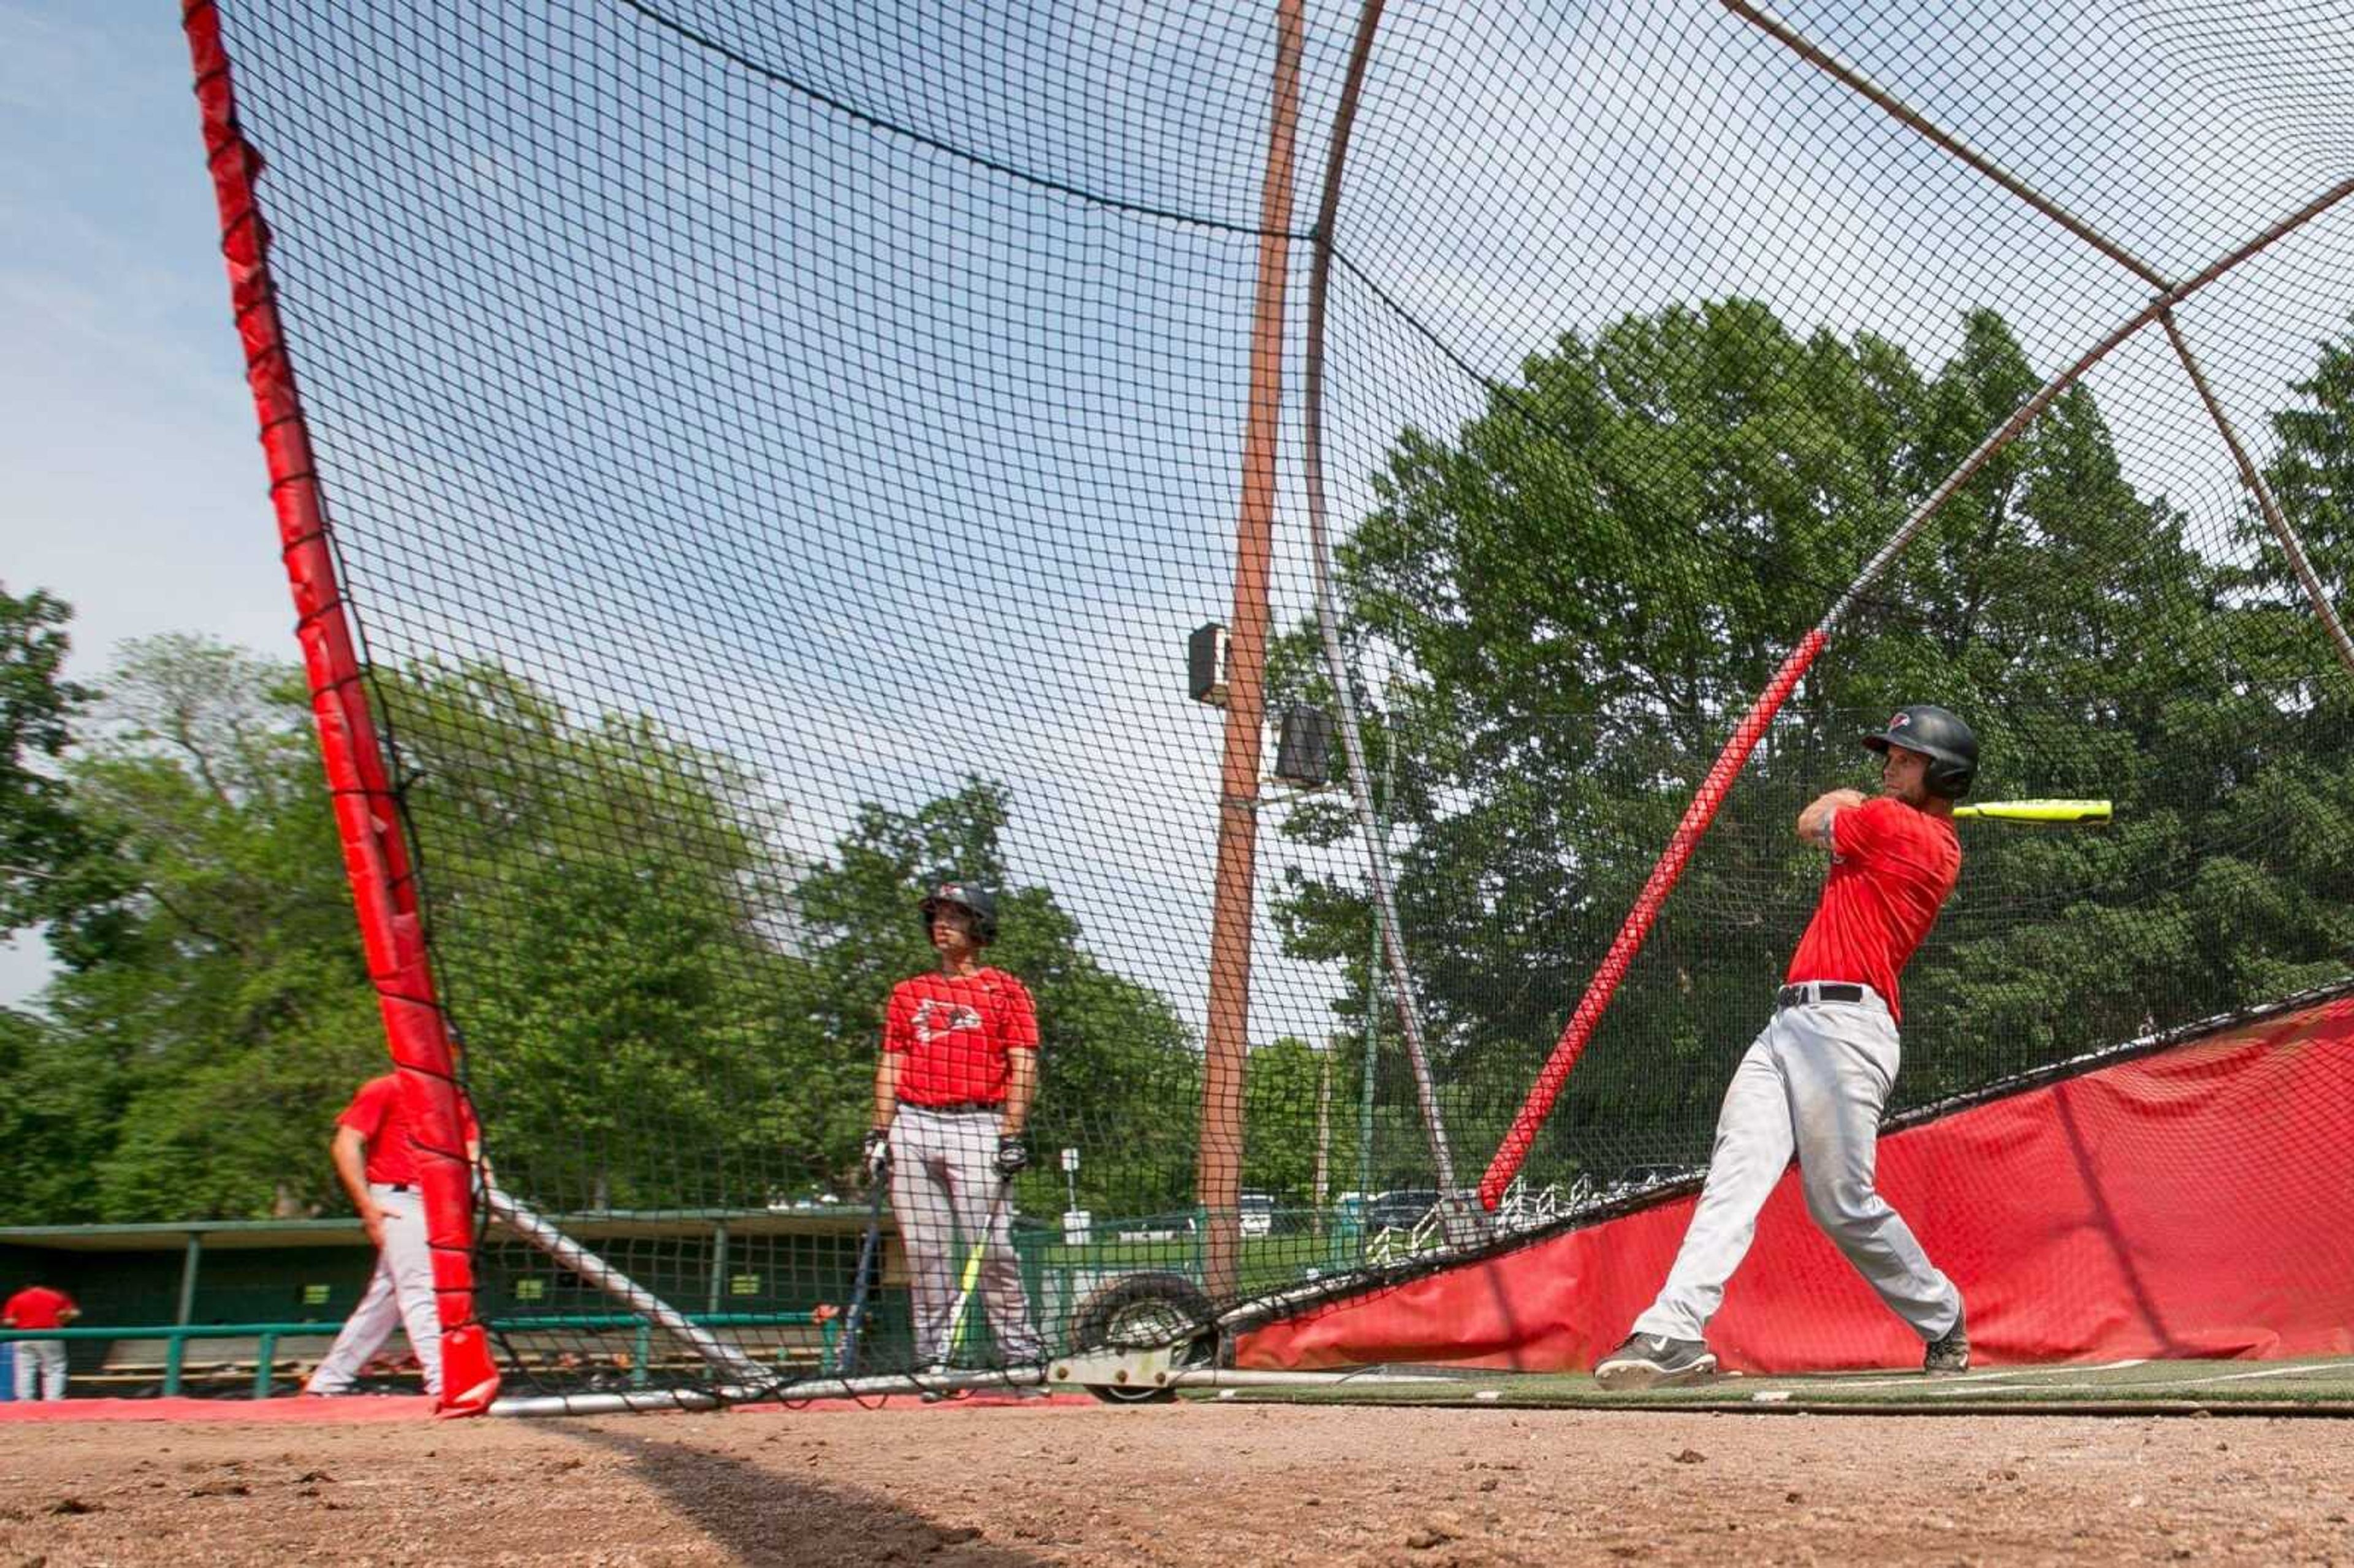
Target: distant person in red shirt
376	1163
41	1363
952	1093
1815	1080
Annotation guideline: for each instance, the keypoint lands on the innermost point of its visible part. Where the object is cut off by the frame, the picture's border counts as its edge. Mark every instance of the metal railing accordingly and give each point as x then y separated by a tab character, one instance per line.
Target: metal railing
267	1335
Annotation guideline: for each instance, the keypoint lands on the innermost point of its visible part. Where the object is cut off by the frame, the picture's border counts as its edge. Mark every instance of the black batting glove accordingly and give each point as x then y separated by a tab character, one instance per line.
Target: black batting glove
878	1158
1012	1154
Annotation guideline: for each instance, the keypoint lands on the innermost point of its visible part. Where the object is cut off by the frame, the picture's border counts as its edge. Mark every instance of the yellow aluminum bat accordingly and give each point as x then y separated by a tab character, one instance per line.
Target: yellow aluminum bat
972	1266
2039	811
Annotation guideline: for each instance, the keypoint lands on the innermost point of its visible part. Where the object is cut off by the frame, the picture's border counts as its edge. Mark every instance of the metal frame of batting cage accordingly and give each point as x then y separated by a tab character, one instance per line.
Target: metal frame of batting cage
372	822
368	817
1461	1223
371	818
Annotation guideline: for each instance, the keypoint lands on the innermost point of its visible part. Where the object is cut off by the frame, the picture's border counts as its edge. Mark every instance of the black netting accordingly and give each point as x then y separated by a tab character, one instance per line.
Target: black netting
778	455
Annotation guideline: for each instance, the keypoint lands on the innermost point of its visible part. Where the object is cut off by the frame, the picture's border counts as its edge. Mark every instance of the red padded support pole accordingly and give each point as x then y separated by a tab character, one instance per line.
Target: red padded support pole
1637	926
367	816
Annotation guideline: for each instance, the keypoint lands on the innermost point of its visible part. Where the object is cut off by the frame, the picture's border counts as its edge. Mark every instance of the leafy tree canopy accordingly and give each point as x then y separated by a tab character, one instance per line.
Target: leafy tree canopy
44	846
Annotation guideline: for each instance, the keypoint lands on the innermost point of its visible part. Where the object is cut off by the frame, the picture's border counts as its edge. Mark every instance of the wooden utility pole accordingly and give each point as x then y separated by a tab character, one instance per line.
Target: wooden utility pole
1218	1162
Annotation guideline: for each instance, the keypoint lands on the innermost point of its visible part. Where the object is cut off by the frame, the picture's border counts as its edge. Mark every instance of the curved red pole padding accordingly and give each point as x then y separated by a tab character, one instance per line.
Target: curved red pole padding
367	816
1629	940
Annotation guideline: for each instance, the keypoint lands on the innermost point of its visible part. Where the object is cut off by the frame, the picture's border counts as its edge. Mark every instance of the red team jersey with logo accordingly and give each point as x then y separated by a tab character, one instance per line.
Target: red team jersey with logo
376	1115
954	1031
38	1306
1892	869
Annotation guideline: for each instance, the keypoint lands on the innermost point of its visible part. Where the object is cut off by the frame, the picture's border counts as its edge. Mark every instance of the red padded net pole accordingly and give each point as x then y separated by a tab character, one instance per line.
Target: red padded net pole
367	817
1629	940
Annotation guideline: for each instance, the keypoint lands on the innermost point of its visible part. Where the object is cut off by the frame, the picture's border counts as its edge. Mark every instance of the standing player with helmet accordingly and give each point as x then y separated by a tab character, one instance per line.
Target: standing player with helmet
1815	1081
952	1093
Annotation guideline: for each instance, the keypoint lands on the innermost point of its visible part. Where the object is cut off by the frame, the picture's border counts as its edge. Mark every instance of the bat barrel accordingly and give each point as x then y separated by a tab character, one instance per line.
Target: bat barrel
2039	811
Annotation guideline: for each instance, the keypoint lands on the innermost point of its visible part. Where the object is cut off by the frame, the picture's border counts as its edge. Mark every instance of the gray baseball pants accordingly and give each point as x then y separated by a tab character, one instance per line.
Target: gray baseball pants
40	1369
1814	1082
944	1184
399	1295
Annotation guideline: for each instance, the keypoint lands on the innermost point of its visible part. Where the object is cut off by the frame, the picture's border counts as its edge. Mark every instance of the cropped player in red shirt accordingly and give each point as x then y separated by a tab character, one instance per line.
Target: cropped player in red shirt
378	1165
1815	1080
952	1093
41	1363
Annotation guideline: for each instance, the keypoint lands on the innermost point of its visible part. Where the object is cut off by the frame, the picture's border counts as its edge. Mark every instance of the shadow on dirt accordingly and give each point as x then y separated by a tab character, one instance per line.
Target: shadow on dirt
764	1517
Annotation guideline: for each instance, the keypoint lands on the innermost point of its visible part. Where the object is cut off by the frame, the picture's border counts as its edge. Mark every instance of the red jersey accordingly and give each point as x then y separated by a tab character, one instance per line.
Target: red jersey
38	1306
377	1114
1892	866
955	1031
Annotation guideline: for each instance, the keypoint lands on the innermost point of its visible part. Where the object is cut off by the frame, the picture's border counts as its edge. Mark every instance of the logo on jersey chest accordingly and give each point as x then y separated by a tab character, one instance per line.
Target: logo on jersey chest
935	1017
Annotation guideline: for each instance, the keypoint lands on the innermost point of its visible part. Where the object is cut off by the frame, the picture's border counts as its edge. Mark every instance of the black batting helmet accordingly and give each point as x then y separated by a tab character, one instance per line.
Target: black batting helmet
977	902
1939	736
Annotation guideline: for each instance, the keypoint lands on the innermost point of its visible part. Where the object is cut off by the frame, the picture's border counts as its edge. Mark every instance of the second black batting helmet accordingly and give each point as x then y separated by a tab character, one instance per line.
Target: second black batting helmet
1939	736
978	902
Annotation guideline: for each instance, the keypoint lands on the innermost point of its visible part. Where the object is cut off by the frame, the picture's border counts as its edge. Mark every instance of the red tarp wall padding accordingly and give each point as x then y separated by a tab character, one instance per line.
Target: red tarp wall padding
2195	1203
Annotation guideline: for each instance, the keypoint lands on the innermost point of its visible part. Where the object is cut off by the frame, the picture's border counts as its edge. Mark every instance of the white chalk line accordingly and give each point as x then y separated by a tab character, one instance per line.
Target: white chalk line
2040	1380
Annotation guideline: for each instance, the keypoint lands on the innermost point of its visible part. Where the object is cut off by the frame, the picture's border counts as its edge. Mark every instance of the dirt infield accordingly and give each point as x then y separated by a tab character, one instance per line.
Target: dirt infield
1194	1483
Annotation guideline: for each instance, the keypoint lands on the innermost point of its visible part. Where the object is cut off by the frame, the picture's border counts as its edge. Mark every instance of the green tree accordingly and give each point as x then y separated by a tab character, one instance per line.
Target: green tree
603	898
56	1116
1295	1098
45	852
207	1040
2313	477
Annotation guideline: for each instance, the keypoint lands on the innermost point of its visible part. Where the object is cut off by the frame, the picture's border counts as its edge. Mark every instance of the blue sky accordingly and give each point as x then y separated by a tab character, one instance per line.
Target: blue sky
133	487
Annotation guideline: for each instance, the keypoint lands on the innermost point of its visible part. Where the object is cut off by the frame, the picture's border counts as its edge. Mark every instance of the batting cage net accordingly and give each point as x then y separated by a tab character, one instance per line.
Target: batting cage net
1280	515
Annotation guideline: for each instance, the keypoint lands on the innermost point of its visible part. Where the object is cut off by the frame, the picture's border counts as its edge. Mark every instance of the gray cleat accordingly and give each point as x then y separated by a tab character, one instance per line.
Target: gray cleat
1654	1361
1949	1352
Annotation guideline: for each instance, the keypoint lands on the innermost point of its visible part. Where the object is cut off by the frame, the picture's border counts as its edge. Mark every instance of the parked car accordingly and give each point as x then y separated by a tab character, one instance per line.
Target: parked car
1257	1213
1400	1210
1637	1178
1657	1175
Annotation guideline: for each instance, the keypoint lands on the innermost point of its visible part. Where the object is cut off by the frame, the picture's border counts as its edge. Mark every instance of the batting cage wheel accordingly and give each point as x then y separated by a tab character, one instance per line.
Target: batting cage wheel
1147	1311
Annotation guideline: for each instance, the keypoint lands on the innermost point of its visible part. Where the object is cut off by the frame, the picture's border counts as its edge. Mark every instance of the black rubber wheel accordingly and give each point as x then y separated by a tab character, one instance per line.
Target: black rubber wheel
1147	1311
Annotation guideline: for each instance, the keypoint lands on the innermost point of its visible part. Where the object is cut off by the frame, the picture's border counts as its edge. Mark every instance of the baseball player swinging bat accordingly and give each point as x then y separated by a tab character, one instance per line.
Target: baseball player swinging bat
2039	811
